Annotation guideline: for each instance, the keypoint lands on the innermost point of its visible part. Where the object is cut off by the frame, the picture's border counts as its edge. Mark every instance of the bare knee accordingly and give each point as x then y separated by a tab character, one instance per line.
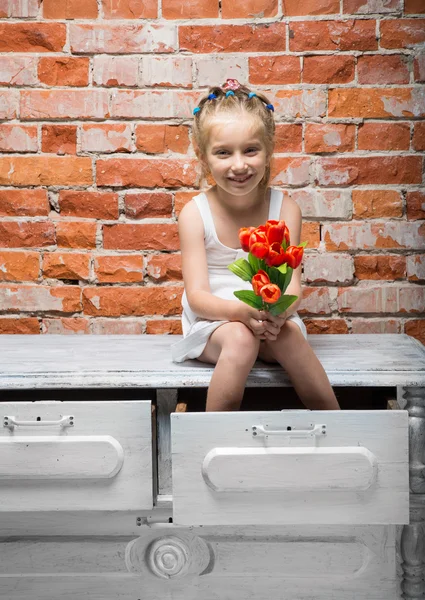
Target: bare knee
240	346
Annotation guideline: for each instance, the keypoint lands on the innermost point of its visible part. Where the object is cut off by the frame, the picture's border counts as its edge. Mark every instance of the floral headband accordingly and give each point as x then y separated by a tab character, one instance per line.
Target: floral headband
229	87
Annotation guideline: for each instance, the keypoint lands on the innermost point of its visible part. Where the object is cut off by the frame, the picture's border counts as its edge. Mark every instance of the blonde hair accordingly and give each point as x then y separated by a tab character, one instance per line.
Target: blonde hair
256	106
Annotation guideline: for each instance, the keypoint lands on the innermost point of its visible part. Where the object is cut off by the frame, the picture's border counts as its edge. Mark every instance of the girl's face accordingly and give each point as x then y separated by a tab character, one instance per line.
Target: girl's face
236	154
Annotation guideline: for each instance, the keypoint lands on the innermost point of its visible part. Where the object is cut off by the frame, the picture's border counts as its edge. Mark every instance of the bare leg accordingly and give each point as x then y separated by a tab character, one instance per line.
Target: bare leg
304	369
233	348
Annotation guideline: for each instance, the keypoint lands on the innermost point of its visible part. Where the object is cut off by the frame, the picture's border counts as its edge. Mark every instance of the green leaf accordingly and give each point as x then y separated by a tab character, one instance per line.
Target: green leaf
282	304
242	269
254	262
249	298
303	244
274	275
283	268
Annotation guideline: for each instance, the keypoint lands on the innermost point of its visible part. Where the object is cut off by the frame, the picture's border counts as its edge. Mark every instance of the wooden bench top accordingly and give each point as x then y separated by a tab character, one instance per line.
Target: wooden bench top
144	361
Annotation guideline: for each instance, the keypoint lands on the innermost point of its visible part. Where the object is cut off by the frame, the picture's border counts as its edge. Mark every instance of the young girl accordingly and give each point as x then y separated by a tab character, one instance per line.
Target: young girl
234	138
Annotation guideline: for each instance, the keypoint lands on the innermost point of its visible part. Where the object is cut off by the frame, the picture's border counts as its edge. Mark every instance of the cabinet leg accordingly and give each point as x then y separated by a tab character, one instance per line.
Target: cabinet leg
413	535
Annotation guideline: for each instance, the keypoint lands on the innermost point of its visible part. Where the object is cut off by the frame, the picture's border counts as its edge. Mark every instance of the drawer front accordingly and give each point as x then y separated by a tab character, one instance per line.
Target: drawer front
79	456
289	467
280	562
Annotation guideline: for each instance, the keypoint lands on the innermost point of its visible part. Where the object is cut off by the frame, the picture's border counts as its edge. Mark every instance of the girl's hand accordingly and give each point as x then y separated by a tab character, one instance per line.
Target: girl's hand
273	325
254	319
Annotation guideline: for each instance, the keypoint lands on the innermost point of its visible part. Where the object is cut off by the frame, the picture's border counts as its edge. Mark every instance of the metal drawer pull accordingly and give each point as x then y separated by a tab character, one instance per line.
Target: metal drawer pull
11	422
315	431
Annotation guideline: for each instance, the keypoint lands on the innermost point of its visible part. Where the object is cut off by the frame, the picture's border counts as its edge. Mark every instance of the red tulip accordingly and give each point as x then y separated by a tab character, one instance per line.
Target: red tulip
277	231
259	280
276	255
244	235
294	256
270	293
258	244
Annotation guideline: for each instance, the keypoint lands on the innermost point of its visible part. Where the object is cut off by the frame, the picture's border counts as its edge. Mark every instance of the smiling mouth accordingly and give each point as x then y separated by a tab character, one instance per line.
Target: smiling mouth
240	179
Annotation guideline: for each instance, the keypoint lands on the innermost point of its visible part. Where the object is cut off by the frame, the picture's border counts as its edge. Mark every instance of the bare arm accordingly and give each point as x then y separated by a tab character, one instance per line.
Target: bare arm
294	223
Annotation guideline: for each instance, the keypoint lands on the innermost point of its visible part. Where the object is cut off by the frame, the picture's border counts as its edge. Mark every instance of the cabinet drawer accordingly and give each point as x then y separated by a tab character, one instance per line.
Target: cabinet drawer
290	467
76	456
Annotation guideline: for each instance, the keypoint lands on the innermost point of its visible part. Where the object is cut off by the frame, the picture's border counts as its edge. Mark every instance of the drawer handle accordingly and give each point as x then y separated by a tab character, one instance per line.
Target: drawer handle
317	430
11	422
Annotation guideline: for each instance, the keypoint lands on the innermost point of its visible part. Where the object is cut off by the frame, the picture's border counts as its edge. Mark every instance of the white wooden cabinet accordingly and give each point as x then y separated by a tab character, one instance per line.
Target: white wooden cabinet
76	456
290	467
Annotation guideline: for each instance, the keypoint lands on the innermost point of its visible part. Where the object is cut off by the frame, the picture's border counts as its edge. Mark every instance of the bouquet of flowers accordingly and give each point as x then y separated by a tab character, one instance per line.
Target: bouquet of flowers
271	261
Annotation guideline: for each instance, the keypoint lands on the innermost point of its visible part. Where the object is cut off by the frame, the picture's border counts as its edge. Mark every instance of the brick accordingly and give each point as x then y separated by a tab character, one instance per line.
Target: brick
117	326
376	204
140	172
166	71
294	8
24	203
45	170
40	299
317	300
19	266
106	137
382	299
369	325
288	137
132	301
182	198
418	141
370	236
121	38
378	69
325	326
384	136
148	205
32	37
195	9
64	265
26	325
335	268
18	70
90	205
419	67
64	71
4	12
18	138
369	103
332	35
130	9
380	267
158	139
248	9
162	268
274	69
268	37
153	104
369	170
75	234
149	236
164	327
9	102
290	171
415	205
310	232
328	69
24	8
64	104
323	204
329	137
300	103
65	326
115	70
402	33
218	68
26	234
414	7
416	329
70	9
119	269
416	267
59	139
367	7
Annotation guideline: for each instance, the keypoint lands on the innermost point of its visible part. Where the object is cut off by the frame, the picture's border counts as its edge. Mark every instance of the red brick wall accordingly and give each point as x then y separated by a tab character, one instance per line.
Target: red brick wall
96	159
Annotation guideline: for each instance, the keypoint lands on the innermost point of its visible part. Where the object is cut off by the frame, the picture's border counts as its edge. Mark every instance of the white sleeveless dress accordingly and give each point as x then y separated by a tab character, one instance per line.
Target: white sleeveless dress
223	282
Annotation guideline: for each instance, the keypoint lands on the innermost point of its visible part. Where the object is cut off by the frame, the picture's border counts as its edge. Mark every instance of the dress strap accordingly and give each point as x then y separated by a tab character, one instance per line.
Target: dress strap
276	199
201	201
